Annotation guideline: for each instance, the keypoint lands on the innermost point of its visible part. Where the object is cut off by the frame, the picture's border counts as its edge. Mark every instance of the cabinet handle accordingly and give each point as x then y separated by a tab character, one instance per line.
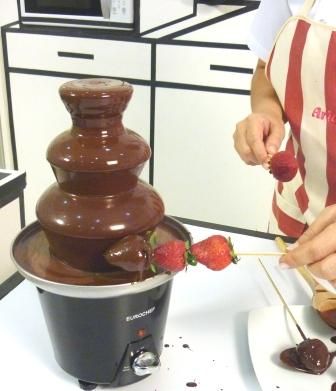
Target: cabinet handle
76	55
226	68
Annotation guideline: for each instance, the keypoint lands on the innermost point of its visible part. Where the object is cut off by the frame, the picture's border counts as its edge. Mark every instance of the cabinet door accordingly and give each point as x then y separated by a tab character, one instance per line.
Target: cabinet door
196	168
39	115
10	226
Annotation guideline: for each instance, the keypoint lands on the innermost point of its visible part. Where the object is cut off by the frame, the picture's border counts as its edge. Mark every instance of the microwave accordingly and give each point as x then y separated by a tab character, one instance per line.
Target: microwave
107	14
137	16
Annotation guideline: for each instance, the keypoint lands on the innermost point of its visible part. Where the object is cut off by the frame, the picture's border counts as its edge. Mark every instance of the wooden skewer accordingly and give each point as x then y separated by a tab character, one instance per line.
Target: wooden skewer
281	244
258	254
283	300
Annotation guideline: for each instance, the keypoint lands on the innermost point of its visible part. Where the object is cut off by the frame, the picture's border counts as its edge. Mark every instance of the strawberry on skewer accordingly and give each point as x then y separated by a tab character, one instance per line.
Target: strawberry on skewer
137	253
215	252
171	255
283	166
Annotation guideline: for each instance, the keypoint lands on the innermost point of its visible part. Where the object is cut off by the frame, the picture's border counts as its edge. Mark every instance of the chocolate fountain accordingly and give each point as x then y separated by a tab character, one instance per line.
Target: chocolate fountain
106	323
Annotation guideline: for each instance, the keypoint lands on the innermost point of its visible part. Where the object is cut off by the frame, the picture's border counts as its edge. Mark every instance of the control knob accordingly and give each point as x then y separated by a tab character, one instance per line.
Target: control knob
145	363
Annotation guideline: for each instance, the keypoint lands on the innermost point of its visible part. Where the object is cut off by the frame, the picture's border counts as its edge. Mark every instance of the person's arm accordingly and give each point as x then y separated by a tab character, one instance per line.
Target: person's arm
260	133
263	97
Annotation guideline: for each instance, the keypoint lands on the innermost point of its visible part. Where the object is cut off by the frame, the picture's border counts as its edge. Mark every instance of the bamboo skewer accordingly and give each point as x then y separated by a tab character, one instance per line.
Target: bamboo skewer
258	254
283	300
281	244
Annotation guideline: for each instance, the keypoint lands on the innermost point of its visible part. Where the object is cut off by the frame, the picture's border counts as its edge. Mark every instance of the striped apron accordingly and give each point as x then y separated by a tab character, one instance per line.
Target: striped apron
302	70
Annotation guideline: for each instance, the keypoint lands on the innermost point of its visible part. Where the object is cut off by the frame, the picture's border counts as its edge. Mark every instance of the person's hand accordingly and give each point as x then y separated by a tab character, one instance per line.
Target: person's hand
316	248
258	136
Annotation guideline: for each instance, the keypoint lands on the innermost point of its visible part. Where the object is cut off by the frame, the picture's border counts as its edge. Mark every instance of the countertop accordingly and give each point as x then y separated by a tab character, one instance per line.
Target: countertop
208	312
212	24
12	183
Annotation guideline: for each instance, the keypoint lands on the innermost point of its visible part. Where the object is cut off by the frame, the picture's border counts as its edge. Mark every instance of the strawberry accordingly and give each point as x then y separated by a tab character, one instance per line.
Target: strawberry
216	252
283	166
171	255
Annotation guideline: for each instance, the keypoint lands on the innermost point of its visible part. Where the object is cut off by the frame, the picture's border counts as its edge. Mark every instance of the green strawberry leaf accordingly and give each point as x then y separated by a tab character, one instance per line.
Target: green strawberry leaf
234	259
153	239
153	267
190	259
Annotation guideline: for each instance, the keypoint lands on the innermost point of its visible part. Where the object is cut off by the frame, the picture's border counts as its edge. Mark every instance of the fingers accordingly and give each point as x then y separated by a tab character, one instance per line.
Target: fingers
255	140
325	218
241	145
250	136
274	139
326	268
319	253
248	140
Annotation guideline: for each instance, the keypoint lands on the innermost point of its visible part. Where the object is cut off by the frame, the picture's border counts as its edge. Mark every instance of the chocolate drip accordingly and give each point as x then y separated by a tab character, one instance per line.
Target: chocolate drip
131	253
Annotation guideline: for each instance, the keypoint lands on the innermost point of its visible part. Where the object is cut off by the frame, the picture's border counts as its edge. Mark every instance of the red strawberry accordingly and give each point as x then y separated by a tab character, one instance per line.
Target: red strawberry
283	166
215	252
171	255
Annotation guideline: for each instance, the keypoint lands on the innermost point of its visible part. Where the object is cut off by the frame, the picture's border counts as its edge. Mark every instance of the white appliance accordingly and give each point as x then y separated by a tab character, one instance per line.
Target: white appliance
115	14
127	15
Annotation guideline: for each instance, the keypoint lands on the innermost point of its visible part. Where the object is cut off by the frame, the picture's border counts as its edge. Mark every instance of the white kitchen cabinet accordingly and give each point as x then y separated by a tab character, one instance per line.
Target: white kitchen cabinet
197	170
39	115
12	184
10	226
89	56
205	66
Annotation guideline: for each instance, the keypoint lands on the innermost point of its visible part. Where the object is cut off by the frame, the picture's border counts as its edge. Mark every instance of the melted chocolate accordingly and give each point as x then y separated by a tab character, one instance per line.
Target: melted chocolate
310	356
98	198
32	253
131	253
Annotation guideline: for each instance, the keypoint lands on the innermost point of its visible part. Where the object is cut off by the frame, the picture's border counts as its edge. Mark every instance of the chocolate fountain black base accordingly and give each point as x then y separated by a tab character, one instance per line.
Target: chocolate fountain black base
115	341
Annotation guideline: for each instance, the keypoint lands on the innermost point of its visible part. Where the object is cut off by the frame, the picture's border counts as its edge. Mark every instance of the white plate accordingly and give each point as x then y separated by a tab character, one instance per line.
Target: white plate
271	330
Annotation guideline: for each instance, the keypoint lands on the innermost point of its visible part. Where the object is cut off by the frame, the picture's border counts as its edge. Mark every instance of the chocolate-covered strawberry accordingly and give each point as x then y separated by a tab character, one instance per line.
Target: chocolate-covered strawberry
311	355
216	252
131	253
283	166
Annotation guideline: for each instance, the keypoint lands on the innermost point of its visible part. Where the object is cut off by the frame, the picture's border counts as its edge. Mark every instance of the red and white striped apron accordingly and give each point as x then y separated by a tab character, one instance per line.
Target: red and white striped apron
302	70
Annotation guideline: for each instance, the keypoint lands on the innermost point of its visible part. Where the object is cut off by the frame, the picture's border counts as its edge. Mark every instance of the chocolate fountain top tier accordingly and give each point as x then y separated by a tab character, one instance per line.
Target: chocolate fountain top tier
97	141
90	100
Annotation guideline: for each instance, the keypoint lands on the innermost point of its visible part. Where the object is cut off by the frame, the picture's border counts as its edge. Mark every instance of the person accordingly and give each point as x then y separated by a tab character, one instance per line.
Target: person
295	82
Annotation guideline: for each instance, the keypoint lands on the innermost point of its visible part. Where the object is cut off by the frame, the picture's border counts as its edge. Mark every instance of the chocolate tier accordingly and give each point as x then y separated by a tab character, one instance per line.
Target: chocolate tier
98	198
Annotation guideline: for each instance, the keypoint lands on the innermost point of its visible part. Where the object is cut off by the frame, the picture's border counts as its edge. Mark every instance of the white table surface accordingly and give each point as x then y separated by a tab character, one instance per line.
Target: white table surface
208	311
